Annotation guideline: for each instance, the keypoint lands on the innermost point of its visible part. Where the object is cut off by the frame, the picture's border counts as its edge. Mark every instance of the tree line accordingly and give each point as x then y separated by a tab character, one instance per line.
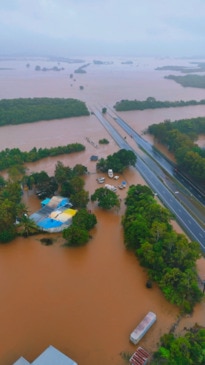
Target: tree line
152	103
170	259
179	137
189	80
29	110
14	156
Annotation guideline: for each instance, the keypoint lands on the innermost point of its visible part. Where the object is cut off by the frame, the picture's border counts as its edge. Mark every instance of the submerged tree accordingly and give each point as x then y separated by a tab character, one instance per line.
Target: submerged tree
106	198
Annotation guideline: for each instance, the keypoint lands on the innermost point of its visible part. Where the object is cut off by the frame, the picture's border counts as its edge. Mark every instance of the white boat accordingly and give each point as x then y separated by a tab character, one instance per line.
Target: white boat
143	327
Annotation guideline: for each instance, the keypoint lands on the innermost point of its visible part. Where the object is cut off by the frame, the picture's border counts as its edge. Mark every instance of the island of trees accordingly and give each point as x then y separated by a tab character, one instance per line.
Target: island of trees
189	80
200	67
14	156
17	111
54	68
179	137
152	103
81	69
118	162
170	259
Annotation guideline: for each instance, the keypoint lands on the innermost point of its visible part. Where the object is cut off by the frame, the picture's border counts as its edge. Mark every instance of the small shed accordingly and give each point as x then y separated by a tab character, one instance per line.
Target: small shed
140	357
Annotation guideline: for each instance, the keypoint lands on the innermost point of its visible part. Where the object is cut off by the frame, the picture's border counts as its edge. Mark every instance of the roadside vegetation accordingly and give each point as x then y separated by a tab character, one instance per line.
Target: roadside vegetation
152	103
170	259
18	111
14	156
179	137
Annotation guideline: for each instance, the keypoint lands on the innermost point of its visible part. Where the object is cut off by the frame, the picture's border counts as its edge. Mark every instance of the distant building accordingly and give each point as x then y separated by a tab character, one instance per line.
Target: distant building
51	356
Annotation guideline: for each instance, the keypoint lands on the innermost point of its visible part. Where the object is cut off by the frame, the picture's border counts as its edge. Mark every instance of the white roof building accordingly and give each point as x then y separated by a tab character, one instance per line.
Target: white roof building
51	356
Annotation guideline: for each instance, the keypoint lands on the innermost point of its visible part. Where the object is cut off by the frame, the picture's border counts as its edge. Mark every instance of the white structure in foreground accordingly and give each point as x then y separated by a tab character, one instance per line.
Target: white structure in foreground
143	327
51	356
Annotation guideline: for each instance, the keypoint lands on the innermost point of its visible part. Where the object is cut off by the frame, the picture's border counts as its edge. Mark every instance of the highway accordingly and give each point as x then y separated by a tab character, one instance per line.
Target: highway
162	161
164	169
193	229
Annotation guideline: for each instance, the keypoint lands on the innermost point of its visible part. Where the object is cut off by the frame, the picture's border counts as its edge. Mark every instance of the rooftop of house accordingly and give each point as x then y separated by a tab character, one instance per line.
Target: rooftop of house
50	356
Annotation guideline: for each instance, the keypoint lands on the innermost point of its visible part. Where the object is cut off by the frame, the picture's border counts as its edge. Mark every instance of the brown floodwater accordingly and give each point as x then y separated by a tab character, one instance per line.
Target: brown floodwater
83	301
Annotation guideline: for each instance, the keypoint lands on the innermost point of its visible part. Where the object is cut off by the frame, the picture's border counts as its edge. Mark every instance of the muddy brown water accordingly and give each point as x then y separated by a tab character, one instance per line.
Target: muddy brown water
83	301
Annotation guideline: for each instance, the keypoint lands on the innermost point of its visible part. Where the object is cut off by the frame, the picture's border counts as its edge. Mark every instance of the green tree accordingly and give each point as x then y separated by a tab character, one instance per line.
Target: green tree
16	173
75	236
105	198
80	199
62	173
27	226
84	219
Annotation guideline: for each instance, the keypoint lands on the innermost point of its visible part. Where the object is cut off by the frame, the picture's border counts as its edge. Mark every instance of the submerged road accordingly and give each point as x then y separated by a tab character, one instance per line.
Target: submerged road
187	222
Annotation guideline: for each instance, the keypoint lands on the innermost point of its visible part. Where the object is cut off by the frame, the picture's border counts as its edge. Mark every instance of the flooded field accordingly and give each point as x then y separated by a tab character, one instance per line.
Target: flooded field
83	301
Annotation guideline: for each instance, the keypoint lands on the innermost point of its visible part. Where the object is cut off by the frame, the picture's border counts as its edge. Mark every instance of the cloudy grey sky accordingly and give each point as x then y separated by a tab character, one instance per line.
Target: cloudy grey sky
103	27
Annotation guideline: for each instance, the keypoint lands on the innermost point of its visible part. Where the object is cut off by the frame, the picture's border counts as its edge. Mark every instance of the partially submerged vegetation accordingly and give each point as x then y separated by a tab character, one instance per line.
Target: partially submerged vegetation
103	141
189	80
198	67
170	259
78	233
179	137
14	156
18	111
14	218
152	103
105	198
118	162
184	350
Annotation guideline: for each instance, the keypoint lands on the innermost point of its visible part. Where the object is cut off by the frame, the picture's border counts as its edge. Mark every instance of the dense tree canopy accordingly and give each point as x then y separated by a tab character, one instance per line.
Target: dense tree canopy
84	219
184	350
118	162
168	256
179	138
11	211
78	233
105	198
152	103
13	157
17	111
189	80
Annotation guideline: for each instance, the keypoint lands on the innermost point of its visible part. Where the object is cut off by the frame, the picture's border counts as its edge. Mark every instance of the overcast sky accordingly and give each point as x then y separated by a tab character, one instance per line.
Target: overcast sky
103	27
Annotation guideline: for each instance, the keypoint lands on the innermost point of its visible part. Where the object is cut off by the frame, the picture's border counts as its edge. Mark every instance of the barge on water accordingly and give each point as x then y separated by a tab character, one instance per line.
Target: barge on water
143	327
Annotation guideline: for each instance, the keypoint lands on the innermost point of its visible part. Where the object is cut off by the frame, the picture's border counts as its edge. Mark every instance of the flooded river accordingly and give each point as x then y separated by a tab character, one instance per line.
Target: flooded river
83	301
